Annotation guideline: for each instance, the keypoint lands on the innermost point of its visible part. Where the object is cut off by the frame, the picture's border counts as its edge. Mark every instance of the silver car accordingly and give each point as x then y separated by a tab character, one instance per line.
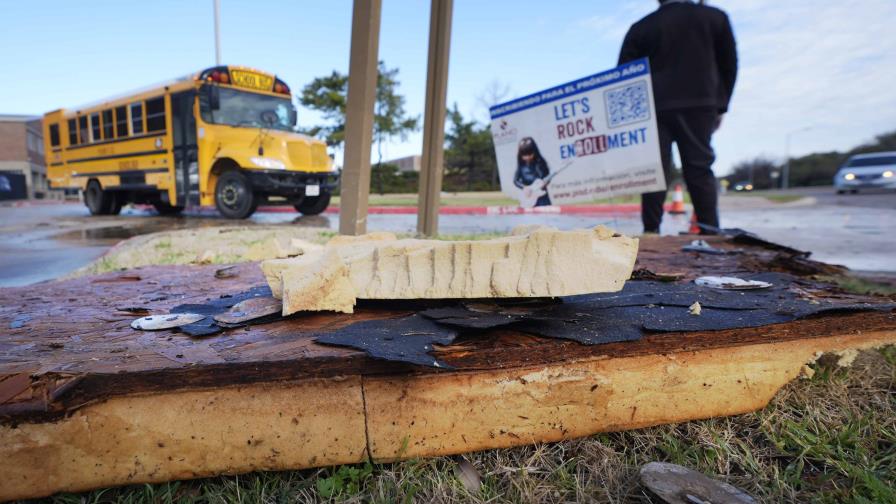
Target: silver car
867	171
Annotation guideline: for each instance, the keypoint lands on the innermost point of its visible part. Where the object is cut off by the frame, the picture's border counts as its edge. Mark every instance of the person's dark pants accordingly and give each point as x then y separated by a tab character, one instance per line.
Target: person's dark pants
691	130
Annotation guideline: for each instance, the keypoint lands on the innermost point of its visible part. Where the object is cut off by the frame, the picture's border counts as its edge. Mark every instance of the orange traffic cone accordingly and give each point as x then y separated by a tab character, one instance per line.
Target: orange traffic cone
694	229
677	201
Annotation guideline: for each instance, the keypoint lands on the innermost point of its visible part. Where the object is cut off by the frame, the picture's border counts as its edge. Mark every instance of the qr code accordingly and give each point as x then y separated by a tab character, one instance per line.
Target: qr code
627	104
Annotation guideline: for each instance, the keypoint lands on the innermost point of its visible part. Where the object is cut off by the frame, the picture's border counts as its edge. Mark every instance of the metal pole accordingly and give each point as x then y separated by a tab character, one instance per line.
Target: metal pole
217	4
785	177
362	74
434	117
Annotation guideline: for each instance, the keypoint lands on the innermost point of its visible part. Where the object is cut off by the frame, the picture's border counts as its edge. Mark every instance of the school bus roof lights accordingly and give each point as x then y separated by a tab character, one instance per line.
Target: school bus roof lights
221	75
248	78
281	87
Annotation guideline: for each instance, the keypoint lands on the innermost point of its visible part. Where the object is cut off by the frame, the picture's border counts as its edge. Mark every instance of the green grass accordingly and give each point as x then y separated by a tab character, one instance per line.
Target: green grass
830	438
773	196
861	285
782	198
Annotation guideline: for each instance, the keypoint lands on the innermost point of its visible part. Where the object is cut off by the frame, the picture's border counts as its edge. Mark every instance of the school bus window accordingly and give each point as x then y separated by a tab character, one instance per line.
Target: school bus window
136	118
83	130
72	132
121	121
108	125
54	135
155	114
95	127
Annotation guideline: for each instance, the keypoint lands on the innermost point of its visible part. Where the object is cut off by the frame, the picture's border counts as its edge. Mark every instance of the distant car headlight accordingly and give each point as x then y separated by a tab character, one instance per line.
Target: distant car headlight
749	187
849	176
266	162
888	174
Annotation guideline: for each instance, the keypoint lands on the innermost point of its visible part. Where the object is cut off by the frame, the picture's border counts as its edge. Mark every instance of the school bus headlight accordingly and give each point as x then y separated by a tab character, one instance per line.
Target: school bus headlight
265	162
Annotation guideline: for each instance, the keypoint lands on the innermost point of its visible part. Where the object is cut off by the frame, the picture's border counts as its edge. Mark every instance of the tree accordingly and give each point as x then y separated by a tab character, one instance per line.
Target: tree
885	142
761	172
815	169
470	162
389	117
327	95
494	93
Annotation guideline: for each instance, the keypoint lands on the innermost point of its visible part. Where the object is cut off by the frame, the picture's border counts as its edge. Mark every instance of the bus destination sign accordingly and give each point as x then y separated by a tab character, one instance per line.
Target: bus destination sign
252	80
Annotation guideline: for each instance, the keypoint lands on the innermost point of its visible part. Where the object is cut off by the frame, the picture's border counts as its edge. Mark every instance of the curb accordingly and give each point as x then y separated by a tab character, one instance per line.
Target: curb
626	208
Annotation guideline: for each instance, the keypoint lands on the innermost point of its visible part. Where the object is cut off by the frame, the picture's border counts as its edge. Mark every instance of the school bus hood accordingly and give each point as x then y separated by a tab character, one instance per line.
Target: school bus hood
282	150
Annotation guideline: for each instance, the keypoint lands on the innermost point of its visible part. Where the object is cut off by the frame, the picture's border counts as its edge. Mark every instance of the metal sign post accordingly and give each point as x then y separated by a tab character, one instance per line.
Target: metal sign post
434	117
359	116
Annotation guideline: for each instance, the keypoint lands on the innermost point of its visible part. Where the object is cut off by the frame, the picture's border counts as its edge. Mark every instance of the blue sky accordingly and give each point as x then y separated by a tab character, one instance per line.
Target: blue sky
826	65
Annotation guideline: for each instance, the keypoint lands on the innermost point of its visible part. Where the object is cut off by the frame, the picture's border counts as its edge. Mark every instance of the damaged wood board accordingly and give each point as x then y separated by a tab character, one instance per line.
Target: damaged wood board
539	262
287	425
163	405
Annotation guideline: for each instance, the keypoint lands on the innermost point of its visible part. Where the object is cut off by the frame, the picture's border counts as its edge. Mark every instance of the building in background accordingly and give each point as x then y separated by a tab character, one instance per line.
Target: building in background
22	152
406	164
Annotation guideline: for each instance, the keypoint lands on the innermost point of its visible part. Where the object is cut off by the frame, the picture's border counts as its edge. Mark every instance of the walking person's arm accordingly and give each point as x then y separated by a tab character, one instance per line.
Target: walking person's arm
630	50
726	60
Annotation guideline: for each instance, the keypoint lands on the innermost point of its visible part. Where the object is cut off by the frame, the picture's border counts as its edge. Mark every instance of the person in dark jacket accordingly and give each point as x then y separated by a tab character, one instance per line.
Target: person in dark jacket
530	166
693	65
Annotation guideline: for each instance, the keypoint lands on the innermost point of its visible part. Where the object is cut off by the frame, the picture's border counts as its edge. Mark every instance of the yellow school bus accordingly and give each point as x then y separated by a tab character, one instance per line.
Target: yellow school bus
223	136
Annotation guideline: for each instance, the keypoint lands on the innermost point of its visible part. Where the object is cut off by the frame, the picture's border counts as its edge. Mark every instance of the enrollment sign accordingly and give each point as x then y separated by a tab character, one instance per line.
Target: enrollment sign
588	139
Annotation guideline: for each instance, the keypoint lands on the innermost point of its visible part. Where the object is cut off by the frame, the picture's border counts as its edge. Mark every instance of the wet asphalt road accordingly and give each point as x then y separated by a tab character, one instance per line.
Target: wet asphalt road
42	241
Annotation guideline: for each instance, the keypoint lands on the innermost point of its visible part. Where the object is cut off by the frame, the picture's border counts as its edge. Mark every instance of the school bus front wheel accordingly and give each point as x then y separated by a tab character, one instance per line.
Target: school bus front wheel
235	197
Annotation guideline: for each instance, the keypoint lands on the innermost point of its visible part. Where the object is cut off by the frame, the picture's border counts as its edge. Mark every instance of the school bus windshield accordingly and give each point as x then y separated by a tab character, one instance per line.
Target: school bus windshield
246	109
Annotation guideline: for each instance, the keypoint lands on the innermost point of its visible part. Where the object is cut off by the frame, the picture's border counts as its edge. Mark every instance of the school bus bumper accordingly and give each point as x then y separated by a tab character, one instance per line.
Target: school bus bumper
290	183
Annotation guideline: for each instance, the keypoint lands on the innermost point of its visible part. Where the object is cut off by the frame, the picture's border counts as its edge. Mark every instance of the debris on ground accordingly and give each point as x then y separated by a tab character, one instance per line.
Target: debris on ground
226	272
168	321
468	475
703	247
646	274
676	484
730	283
539	262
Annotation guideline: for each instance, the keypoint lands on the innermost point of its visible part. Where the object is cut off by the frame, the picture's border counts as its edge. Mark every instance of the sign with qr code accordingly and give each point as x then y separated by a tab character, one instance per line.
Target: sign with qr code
585	140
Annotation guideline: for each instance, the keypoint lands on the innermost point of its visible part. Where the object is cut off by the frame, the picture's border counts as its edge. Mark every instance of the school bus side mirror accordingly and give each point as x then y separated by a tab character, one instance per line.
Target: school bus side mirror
213	93
293	117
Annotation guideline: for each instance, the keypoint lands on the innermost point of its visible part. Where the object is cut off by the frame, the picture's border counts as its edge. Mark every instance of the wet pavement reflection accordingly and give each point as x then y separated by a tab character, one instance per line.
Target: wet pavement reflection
44	241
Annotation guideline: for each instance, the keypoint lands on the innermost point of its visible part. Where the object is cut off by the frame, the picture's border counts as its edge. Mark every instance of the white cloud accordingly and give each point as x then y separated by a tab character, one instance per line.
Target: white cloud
826	64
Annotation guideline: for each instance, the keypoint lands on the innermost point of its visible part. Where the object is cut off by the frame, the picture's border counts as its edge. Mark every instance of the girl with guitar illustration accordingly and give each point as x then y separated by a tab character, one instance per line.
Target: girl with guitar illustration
533	175
531	172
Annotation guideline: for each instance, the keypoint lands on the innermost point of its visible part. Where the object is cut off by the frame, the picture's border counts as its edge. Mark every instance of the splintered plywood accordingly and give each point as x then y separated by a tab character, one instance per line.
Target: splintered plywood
315	422
445	414
182	435
542	262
